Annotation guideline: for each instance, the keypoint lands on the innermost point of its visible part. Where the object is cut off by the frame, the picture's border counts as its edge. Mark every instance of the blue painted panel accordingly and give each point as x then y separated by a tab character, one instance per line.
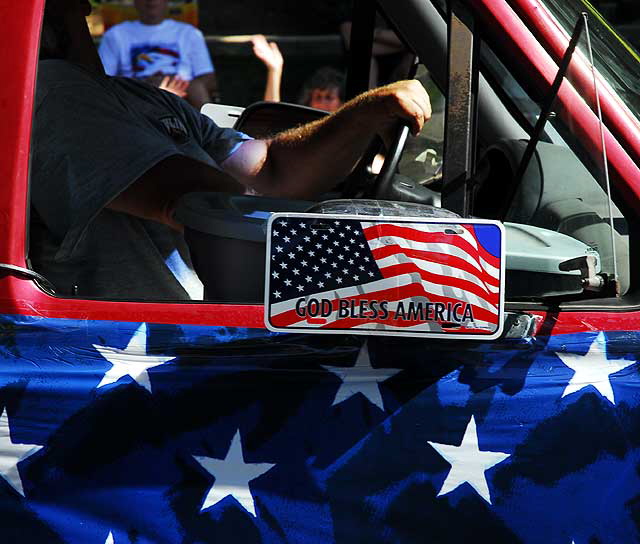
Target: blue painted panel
121	433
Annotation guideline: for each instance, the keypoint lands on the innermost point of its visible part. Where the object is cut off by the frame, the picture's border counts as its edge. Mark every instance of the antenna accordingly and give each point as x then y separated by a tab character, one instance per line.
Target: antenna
545	112
604	153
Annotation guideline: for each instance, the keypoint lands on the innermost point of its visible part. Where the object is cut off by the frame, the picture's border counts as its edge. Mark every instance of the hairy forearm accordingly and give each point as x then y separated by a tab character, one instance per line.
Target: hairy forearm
305	161
309	160
312	159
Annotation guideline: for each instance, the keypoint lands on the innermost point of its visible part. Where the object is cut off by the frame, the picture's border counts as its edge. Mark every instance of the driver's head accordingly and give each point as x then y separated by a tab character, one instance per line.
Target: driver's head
59	8
65	34
152	12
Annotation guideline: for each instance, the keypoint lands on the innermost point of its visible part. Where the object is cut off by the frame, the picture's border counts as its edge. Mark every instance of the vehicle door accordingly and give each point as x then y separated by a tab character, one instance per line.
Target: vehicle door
156	421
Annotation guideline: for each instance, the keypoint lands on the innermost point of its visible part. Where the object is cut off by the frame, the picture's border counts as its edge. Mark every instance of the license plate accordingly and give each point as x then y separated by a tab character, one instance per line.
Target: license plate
346	274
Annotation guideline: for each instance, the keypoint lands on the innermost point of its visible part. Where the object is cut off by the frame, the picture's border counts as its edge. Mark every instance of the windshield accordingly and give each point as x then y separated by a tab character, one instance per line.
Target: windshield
616	60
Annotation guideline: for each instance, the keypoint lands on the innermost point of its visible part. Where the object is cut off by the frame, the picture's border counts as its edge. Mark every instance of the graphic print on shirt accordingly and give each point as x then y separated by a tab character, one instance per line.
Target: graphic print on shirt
149	59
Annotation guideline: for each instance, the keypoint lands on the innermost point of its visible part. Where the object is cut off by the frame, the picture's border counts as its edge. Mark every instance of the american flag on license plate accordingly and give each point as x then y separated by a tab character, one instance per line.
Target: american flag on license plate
384	275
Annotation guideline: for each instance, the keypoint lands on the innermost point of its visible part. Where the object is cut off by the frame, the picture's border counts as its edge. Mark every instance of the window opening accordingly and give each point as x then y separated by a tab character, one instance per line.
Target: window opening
560	183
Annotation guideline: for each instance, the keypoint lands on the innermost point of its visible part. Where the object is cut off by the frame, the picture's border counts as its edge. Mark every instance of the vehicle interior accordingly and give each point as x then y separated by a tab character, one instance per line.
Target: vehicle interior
568	241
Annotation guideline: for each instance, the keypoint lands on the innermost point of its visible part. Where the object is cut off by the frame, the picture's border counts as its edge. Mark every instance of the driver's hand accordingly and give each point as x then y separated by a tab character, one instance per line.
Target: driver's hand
405	101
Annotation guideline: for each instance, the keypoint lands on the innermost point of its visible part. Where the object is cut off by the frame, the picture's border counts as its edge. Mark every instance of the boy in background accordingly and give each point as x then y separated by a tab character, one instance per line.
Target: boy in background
166	53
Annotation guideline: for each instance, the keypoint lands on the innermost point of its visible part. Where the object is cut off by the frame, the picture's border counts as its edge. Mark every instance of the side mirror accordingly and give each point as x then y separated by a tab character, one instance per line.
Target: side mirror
543	263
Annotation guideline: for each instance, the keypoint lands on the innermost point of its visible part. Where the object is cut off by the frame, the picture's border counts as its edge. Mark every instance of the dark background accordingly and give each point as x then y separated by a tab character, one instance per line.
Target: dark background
295	23
307	33
271	16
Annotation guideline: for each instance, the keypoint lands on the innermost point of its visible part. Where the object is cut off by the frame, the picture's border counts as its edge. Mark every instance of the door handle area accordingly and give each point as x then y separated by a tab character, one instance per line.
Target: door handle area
518	325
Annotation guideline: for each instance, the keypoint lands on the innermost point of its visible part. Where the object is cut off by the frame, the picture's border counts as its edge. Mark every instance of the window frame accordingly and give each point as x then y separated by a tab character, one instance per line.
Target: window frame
19	295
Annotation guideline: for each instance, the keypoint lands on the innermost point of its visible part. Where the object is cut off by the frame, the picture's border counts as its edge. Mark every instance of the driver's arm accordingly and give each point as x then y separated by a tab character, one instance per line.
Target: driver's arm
299	163
311	159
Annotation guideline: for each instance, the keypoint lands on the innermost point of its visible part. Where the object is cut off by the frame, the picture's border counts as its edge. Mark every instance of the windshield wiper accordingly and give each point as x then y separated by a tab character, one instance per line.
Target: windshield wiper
545	113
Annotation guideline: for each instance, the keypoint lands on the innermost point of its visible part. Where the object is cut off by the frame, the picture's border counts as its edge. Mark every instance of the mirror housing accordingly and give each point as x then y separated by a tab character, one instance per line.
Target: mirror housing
543	263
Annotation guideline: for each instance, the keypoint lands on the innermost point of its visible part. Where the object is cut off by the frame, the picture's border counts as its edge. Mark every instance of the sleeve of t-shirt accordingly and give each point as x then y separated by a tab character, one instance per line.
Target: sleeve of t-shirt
199	57
108	51
219	143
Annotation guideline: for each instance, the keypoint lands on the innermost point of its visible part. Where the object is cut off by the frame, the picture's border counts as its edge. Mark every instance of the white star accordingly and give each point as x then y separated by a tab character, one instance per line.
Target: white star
287	283
468	463
131	361
232	476
12	454
361	378
593	368
277	294
286	239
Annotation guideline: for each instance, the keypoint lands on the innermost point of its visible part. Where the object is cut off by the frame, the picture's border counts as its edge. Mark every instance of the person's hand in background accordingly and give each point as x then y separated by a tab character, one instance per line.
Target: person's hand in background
269	54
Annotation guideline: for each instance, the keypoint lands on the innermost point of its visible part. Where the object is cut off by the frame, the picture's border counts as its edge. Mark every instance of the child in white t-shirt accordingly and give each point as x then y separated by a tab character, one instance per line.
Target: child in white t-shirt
167	53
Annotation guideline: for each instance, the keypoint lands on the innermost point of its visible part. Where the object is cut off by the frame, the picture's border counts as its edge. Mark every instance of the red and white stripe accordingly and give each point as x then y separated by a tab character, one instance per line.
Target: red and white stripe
424	264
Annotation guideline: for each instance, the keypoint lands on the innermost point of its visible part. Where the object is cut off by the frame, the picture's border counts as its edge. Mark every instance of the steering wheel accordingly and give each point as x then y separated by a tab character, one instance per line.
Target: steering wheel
361	182
382	183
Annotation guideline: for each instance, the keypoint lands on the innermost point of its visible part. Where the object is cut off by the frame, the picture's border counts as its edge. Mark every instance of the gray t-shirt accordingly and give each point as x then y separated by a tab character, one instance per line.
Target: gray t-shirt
93	136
